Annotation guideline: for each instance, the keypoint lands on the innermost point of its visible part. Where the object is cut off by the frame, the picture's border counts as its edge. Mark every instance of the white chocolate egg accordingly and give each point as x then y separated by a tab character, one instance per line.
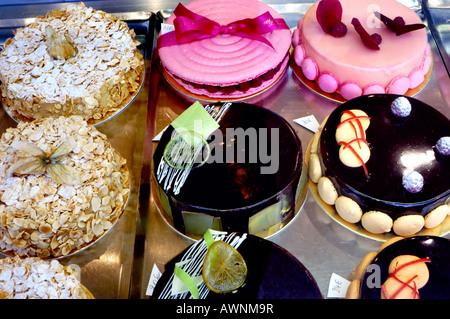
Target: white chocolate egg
350	159
414	268
408	225
315	143
326	190
394	288
353	290
389	242
436	216
376	222
350	130
314	169
348	209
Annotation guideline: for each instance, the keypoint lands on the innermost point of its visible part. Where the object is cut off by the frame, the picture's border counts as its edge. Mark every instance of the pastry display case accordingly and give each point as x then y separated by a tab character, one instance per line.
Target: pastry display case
126	262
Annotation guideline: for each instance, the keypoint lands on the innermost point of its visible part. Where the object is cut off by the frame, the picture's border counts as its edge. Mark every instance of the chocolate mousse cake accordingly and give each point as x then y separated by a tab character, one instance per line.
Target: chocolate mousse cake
249	181
383	162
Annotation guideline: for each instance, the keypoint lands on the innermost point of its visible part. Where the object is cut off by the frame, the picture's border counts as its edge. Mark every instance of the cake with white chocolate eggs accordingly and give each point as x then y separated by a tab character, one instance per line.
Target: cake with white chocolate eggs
72	61
62	187
382	162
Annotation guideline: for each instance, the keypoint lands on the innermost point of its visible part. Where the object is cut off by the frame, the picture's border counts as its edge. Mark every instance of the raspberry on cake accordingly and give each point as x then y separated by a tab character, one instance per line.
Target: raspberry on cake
369	56
245	53
403	185
74	61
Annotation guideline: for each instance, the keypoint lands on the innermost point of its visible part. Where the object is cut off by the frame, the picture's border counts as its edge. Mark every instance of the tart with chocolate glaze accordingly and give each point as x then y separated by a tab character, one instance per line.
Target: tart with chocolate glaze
418	263
398	180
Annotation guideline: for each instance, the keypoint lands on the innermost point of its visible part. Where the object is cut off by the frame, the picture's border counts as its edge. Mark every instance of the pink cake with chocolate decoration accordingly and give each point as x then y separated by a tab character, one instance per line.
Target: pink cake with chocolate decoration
225	50
355	48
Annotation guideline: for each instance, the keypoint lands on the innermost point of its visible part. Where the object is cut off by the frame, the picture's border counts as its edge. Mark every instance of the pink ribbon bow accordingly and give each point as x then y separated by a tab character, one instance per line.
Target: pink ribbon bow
190	27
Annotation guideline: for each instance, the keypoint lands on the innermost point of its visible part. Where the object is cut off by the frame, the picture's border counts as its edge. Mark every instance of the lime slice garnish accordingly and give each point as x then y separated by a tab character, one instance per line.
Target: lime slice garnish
224	268
186	150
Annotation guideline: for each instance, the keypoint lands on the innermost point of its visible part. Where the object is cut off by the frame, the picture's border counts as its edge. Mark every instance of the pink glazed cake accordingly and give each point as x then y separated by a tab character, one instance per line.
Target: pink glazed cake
227	65
345	65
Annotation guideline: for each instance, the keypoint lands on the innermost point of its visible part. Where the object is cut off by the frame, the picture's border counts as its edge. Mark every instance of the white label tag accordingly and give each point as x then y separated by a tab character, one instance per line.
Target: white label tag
338	286
157	138
309	122
154	277
167	28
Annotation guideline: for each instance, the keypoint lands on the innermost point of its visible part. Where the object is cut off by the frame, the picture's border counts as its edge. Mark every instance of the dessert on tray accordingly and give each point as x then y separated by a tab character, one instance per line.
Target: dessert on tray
224	50
345	49
404	268
34	278
62	186
382	162
271	272
247	175
73	61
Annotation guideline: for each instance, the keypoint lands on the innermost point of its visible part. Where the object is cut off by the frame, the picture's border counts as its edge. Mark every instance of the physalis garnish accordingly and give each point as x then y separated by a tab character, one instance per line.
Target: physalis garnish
39	162
60	47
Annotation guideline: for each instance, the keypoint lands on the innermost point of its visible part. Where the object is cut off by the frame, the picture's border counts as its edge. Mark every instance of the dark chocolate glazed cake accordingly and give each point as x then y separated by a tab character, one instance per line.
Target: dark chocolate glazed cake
431	249
248	181
273	272
403	172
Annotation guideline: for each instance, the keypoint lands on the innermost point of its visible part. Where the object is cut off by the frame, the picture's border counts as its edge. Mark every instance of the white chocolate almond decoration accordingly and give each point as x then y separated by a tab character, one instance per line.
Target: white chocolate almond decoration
349	121
348	209
326	190
351	136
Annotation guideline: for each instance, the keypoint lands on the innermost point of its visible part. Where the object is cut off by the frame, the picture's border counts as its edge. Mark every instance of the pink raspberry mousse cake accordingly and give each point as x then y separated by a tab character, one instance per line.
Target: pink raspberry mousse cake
339	61
227	65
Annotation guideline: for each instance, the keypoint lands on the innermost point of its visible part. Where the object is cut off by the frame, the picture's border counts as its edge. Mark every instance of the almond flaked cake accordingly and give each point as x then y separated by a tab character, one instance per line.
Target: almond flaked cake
74	61
62	186
34	278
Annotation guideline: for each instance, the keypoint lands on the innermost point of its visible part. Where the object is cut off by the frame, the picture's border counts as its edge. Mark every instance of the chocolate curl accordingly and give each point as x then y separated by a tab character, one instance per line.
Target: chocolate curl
365	37
190	27
399	29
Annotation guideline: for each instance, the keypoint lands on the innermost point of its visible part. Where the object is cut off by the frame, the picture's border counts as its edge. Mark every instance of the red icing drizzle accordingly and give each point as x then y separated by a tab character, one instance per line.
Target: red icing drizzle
357	119
405	284
362	133
356	153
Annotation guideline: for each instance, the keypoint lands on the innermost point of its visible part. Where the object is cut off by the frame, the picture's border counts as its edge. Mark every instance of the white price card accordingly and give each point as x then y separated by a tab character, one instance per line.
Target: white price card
337	287
154	277
310	122
157	138
165	28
